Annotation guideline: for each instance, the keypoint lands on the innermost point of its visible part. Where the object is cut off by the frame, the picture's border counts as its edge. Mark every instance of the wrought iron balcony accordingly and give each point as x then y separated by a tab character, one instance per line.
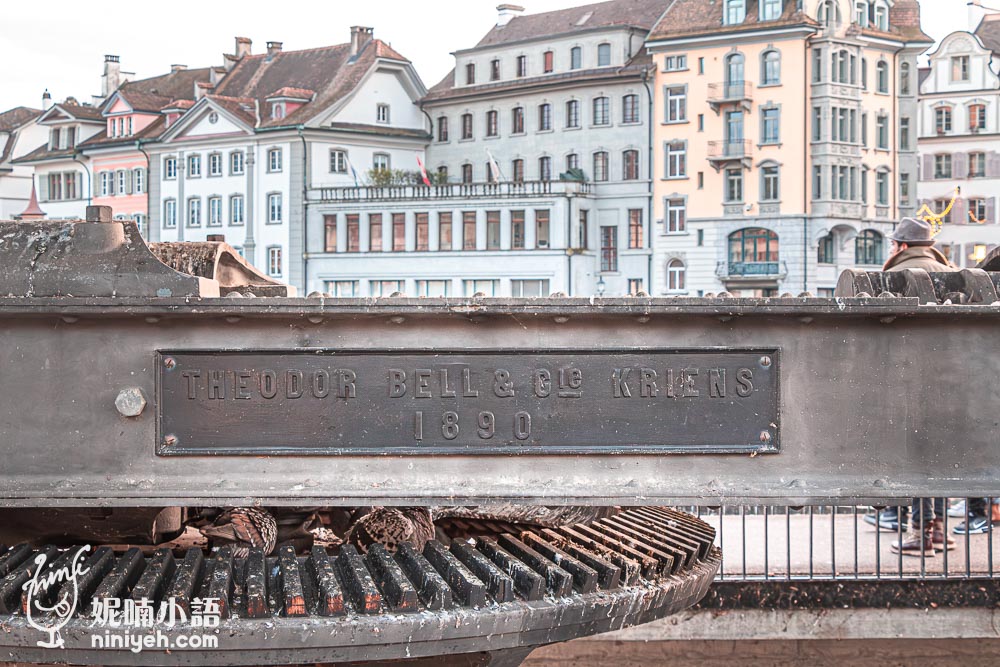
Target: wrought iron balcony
739	93
464	191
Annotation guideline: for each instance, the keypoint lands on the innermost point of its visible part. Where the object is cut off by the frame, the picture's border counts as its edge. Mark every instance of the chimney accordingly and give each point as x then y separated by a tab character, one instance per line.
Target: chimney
977	13
360	36
46	100
272	49
507	12
99	214
243	45
112	76
178	68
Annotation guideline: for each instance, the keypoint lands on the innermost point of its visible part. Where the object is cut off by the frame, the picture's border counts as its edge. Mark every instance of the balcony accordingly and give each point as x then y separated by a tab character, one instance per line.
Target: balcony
735	93
722	152
752	270
461	191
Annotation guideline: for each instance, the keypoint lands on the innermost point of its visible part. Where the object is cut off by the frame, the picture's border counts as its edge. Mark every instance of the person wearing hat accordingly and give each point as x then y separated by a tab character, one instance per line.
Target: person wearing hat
913	248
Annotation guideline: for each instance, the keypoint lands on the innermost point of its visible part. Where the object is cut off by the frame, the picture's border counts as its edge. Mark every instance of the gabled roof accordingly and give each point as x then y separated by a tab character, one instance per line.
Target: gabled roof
243	108
641	14
988	32
152	94
14	118
43	153
691	18
74	110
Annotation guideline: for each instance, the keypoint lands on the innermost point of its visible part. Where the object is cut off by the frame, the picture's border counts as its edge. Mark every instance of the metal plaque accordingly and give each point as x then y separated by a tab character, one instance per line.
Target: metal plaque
325	402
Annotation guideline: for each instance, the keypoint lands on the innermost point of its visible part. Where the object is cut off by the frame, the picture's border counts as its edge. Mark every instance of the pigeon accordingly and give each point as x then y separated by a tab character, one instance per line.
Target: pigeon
390	527
244	527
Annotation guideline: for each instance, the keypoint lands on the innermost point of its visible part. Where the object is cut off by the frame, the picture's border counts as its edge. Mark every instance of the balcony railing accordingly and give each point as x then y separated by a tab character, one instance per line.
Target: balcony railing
730	92
463	191
730	150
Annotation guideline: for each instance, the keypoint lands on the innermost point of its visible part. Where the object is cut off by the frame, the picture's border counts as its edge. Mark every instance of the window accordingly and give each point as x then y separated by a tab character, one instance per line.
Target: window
904	189
170	213
676	63
583	228
470	74
274	160
942	166
817	182
522	66
544	117
194	166
194	212
467	126
861	13
840	124
468	230
977	117
882	188
492	230
138	181
55	187
753	245
492	123
630	165
602	115
600	166
548	59
541	228
770	124
545	168
529	288
882	77
353	221
236	215
444	231
977	210
864	185
770	10
215	164
398	232
842	67
274	209
572	161
140	221
69	185
338	161
959	68
274	261
380	162
634	285
170	168
236	163
575	58
483	287
676	104
630	108
734	75
433	288
868	247
215	211
107	185
817	66
517	170
609	248
492	171
442	128
769	183
882	17
736	11
904	134
343	288
573	113
423	231
494	70
517	238
277	110
942	205
817	126
54	137
517	120
826	250
734	185
770	68
829	13
385	287
375	232
466	173
977	165
676	216
634	228
864	74
442	173
603	55
675	275
904	79
882	132
942	119
676	159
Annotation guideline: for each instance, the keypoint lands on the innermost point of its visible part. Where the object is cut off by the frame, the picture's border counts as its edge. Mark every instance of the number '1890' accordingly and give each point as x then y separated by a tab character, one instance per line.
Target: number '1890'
486	425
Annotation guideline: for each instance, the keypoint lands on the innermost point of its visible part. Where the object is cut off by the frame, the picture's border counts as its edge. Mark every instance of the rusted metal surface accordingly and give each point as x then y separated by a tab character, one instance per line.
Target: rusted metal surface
288	609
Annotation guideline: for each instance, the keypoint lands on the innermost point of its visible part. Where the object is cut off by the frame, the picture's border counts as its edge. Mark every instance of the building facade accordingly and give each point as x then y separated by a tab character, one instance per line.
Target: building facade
540	164
19	134
959	127
786	141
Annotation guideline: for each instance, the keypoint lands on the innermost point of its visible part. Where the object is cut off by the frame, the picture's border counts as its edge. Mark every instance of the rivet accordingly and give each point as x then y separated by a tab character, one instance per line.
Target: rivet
765	361
765	437
170	440
397	319
169	363
562	319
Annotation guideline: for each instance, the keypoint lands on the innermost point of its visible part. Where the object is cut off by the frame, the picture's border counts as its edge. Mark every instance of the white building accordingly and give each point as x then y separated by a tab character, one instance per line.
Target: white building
539	96
239	160
959	139
19	134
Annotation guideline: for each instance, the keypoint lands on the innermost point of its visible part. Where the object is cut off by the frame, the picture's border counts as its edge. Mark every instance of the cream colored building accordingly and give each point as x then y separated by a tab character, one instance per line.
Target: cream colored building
786	140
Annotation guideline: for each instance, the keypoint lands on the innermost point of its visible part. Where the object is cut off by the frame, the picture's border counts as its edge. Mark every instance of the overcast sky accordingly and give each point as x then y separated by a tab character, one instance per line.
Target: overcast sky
60	44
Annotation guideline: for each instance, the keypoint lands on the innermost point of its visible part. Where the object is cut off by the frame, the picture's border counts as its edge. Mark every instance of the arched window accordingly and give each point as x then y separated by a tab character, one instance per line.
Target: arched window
576	58
675	275
601	166
825	252
882	77
904	79
630	165
770	68
753	251
868	248
736	11
734	71
829	13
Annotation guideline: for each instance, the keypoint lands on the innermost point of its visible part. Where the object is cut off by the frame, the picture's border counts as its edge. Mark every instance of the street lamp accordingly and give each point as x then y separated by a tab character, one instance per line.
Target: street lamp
601	286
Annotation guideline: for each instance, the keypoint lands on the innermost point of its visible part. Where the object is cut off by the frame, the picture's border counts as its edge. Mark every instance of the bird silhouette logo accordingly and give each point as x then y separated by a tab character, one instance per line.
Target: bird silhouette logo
51	617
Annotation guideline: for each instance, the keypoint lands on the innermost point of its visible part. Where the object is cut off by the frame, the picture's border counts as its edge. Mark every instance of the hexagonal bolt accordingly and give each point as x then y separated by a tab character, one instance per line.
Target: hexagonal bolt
130	402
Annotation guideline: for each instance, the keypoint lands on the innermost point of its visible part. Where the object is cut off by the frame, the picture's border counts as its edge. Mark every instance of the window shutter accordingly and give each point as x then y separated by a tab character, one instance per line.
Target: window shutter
992	165
958	212
128	181
43	187
960	165
145	178
97	183
991	203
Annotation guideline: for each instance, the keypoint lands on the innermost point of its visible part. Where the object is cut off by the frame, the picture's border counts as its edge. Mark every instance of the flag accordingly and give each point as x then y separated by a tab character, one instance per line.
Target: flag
494	167
354	173
423	171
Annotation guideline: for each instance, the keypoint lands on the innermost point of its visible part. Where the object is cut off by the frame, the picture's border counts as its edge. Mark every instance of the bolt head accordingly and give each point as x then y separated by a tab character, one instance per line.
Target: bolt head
765	361
169	363
130	402
169	440
765	437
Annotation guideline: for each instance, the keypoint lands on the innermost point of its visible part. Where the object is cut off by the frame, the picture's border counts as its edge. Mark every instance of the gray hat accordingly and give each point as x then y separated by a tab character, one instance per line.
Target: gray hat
913	231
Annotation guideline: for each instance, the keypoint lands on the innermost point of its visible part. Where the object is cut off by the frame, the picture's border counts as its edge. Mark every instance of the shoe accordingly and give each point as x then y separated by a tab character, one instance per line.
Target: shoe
958	509
915	544
975	525
887	519
939	538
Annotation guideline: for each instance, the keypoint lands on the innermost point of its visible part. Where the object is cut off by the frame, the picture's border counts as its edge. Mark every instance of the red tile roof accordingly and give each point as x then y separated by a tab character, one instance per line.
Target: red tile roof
293	93
244	108
16	117
80	111
988	32
153	93
689	18
381	130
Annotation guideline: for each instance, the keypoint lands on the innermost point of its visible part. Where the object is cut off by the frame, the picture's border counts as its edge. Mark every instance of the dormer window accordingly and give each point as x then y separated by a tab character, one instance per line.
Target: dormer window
129	123
882	16
770	10
277	110
959	68
861	13
829	13
736	11
382	113
495	70
70	137
54	139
